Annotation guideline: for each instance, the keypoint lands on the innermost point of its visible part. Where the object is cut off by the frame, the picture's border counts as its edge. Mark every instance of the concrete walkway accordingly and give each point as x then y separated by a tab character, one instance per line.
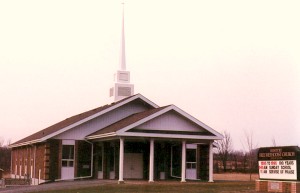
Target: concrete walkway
57	186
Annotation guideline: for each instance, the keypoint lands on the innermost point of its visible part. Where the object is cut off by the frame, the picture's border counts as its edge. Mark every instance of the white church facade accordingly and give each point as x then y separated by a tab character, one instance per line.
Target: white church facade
131	138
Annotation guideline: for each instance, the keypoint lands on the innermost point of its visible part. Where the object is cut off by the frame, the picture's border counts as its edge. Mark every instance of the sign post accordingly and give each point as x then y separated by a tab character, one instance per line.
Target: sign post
279	168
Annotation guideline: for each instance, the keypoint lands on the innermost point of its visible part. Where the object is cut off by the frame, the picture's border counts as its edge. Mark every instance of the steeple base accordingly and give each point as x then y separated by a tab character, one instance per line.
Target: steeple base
120	91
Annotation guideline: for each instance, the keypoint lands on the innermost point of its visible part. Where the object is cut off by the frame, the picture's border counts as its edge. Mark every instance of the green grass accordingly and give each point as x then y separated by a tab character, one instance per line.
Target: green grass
166	187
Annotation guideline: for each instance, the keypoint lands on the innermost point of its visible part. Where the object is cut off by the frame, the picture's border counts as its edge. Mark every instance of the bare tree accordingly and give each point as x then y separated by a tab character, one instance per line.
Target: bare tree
238	159
250	146
1	142
8	142
224	148
5	157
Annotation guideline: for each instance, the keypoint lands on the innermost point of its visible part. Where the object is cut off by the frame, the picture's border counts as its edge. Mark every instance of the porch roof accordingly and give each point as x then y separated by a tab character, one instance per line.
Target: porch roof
126	121
129	127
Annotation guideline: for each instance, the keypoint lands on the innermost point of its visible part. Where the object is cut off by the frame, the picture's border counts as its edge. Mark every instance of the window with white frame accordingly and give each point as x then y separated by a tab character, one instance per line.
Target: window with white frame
67	156
191	159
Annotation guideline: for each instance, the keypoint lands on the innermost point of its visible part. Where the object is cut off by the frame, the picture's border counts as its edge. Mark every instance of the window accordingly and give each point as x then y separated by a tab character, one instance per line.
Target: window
67	156
191	158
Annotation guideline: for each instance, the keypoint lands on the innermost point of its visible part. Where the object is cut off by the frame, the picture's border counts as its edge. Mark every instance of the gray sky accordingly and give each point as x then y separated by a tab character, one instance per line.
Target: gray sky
234	65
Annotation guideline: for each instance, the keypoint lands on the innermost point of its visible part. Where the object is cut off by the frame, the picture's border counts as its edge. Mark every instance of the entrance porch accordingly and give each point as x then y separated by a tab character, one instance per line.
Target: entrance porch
153	159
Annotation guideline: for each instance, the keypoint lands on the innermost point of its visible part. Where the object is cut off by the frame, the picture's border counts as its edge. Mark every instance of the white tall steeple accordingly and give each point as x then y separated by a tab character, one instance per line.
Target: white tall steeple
122	48
122	87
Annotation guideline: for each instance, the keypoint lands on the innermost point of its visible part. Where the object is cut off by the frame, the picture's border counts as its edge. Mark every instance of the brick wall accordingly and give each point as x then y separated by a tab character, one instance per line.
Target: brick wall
21	160
295	187
46	161
59	158
261	186
277	186
40	160
24	158
54	160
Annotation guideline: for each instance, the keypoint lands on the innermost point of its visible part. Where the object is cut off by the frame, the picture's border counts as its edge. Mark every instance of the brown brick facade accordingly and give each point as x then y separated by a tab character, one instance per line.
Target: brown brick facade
277	186
30	160
24	158
21	160
54	160
295	187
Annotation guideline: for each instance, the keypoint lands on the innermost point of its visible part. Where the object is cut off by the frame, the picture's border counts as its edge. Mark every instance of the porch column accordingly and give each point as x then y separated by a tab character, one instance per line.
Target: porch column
183	161
121	161
211	158
151	161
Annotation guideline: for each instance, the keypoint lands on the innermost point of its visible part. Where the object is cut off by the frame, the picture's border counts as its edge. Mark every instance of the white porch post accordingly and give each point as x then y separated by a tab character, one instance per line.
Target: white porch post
211	159
121	161
183	161
151	165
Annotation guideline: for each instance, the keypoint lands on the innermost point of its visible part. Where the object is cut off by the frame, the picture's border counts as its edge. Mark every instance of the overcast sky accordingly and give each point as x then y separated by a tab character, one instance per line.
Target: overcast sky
234	65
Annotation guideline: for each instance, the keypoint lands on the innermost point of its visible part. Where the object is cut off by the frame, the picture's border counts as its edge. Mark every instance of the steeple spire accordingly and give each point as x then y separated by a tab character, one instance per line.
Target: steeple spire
122	87
122	48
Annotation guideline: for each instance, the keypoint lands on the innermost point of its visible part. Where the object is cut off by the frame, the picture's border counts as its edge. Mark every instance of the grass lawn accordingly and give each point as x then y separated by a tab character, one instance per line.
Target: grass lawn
165	187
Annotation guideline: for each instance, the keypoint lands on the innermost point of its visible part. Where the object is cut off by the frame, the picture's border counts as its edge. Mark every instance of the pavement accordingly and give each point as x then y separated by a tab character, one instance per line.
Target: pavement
57	186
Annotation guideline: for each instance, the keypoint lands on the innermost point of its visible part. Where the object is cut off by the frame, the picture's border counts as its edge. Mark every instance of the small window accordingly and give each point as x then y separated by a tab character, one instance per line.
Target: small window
191	158
191	155
68	152
67	163
191	165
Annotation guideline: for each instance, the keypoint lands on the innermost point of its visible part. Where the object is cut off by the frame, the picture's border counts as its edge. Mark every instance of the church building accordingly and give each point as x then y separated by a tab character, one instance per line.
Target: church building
131	138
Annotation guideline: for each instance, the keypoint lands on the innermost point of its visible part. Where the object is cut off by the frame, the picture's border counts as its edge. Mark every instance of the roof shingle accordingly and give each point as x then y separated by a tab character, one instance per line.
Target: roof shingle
67	122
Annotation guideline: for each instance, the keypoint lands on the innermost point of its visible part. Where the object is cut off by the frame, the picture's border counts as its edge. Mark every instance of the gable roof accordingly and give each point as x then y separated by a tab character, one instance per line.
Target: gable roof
124	123
124	126
77	120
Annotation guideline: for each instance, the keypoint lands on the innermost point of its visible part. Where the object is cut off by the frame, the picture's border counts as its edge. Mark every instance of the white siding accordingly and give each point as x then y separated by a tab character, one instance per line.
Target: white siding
171	121
81	131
